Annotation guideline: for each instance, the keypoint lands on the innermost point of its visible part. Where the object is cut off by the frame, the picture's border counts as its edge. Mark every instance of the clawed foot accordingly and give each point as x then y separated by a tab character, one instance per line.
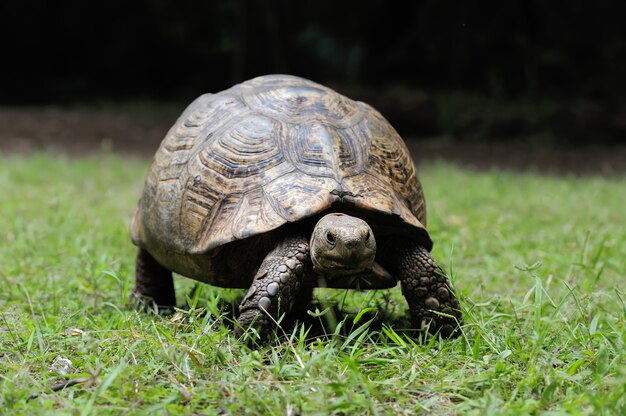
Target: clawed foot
274	288
434	307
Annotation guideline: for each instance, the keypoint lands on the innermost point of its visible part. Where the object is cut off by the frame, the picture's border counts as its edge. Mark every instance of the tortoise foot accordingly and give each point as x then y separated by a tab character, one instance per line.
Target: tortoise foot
154	286
275	287
433	305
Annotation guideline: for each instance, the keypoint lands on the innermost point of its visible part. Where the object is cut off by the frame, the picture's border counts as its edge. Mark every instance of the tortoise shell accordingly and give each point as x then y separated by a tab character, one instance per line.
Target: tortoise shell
271	151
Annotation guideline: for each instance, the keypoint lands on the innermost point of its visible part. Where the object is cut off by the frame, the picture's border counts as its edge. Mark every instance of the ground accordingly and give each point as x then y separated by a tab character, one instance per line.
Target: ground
537	261
137	129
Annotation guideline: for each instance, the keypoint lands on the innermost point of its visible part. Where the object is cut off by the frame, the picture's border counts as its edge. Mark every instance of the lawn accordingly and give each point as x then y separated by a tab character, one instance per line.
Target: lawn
539	263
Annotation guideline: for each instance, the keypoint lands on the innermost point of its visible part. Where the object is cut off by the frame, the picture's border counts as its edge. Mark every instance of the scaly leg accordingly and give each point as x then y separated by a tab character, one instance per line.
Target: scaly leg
154	284
275	286
426	289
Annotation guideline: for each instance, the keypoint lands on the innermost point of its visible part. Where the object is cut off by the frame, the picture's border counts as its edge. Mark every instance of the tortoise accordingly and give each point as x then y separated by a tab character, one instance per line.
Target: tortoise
279	185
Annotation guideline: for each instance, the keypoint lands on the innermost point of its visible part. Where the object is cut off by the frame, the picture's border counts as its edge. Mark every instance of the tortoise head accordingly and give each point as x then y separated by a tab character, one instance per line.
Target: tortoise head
342	245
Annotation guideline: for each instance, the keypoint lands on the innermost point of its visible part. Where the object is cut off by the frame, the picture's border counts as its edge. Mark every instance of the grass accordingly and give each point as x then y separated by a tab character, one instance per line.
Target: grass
538	261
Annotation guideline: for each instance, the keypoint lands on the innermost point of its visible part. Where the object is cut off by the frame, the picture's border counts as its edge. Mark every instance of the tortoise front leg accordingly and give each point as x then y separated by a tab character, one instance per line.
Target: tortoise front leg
154	284
275	286
425	287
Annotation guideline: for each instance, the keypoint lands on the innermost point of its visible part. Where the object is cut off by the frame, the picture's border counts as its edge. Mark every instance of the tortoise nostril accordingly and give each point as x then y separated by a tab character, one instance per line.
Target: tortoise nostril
352	243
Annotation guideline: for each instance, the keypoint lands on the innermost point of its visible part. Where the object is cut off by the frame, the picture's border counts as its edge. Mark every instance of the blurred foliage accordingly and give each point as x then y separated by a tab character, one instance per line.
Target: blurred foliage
64	49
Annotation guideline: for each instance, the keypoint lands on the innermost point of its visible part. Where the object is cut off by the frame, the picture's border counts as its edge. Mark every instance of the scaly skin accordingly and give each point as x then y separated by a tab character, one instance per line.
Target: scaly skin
426	289
275	286
154	284
278	282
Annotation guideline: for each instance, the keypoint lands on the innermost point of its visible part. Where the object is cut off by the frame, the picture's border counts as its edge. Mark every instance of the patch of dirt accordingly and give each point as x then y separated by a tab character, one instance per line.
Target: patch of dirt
525	156
77	132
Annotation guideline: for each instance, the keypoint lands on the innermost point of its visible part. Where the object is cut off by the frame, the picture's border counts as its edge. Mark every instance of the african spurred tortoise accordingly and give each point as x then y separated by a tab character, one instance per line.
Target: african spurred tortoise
279	185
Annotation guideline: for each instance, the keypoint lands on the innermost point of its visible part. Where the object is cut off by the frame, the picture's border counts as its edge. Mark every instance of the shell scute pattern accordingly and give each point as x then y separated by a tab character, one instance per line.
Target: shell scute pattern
300	102
255	213
308	148
296	196
246	149
272	150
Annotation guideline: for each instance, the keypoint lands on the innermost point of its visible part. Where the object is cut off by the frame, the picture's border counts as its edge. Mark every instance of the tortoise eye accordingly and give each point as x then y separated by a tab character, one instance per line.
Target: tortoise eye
367	235
330	238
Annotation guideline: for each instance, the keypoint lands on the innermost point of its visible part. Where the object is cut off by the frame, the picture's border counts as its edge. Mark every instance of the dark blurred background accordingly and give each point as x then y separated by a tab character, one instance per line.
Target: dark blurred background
541	72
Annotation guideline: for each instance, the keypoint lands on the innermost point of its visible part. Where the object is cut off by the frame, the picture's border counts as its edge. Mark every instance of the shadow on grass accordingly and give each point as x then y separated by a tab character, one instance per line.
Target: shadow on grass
320	319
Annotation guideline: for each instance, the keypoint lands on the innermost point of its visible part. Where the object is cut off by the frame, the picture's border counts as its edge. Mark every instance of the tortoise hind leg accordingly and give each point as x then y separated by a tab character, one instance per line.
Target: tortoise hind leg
275	286
432	303
154	284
